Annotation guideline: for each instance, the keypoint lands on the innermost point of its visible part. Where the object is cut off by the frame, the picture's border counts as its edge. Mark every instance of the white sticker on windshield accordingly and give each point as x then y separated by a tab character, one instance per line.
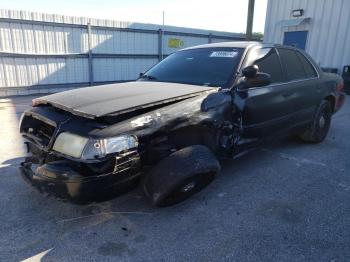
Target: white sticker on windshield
228	54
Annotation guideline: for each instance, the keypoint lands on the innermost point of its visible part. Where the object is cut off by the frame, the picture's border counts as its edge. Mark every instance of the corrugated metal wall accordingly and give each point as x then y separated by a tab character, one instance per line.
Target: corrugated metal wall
328	30
41	49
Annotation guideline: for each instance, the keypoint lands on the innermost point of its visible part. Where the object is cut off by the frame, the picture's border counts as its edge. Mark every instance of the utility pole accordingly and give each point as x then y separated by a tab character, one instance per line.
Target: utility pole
91	72
249	31
163	35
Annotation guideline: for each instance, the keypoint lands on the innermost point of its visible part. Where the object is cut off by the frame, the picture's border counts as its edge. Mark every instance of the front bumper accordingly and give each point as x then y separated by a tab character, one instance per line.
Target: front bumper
58	179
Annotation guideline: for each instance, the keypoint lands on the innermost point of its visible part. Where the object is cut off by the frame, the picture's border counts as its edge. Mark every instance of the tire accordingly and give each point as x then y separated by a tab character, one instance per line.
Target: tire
321	122
180	175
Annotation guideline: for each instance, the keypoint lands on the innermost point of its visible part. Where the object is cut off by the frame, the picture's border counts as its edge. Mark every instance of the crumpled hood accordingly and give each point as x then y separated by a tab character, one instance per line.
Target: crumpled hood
119	98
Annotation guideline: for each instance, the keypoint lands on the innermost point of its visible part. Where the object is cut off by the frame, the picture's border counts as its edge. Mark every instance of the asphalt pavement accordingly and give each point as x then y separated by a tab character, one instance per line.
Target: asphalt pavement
286	202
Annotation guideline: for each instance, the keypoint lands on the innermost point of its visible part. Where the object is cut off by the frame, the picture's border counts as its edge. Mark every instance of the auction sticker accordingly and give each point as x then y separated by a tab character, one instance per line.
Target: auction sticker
227	54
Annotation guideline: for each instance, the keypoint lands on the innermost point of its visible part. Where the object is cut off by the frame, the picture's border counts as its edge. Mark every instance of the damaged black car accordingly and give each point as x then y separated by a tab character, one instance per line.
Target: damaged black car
168	129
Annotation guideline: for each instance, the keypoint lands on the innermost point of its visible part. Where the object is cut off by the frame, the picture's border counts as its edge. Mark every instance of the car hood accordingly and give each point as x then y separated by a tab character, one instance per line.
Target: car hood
97	101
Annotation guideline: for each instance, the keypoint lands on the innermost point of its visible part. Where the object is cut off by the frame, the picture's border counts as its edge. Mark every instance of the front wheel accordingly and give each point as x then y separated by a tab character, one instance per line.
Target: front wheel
319	127
180	175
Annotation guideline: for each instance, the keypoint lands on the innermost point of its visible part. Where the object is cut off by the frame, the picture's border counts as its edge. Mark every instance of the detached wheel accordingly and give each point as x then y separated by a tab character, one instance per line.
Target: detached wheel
180	175
319	128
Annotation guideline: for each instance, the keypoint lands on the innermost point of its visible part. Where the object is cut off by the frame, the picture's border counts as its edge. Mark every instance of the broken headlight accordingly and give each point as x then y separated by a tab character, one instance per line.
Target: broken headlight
97	148
70	144
88	149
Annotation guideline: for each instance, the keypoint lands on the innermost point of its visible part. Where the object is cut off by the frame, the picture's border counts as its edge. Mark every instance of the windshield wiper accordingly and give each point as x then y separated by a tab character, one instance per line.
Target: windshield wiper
149	77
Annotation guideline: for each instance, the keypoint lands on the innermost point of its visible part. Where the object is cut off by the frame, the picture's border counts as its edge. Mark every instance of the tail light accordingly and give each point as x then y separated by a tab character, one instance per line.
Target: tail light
340	86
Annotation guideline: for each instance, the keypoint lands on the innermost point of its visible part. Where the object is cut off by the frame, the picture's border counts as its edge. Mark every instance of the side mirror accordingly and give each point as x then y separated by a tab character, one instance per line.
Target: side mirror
260	79
141	74
250	71
254	78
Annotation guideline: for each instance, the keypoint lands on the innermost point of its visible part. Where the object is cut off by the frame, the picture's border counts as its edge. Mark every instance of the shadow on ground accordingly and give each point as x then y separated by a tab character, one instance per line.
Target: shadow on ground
285	202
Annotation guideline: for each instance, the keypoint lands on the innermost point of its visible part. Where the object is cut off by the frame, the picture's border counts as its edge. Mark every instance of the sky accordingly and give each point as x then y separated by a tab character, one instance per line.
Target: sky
221	15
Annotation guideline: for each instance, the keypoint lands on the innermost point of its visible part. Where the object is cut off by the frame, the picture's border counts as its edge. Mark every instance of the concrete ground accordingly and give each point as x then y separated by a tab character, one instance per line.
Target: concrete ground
286	202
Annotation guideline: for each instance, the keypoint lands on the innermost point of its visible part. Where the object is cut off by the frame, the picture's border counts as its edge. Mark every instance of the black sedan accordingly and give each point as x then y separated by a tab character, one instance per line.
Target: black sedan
168	128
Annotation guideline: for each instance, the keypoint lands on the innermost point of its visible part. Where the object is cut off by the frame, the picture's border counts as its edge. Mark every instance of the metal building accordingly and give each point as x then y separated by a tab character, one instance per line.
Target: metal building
321	27
44	52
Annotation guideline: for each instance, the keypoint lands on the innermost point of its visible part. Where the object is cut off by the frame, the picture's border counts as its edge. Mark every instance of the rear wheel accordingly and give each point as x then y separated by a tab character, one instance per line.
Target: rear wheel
319	128
180	175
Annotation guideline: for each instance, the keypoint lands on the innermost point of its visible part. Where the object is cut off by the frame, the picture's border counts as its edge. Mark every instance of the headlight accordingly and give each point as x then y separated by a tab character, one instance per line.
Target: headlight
70	144
81	147
102	147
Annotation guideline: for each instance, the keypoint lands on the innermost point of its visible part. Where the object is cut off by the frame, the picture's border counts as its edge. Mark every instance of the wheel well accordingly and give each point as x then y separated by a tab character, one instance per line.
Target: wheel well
331	100
193	135
161	145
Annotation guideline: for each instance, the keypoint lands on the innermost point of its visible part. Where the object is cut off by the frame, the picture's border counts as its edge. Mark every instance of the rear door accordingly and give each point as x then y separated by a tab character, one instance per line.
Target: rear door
304	88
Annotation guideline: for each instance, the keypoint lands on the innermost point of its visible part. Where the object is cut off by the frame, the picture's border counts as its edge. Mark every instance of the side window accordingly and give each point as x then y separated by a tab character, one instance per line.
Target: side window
309	69
294	67
268	62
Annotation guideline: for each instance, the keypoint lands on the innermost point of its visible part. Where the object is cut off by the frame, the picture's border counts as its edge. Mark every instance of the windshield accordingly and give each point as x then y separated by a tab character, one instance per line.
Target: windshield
202	66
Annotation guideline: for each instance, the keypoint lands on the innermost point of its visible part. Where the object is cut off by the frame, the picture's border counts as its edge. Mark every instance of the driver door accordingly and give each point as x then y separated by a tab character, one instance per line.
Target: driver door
265	110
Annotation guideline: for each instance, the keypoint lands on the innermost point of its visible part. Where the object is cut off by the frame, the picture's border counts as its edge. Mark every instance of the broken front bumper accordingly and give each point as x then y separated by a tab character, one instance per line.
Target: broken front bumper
62	181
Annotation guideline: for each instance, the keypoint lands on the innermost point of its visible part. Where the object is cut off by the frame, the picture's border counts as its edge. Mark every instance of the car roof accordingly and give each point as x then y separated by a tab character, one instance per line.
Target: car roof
235	44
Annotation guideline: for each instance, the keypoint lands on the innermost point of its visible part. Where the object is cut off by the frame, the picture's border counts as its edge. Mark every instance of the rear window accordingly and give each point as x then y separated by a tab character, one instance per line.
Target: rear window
294	66
309	69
